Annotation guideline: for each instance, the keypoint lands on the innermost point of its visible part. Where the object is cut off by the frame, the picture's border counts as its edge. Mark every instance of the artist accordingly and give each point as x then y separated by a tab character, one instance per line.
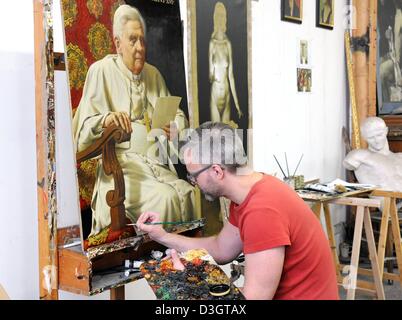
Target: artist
286	251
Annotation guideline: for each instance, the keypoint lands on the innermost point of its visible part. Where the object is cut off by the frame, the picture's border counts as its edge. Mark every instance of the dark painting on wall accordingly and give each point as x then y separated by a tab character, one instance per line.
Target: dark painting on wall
223	62
389	79
325	14
220	72
292	11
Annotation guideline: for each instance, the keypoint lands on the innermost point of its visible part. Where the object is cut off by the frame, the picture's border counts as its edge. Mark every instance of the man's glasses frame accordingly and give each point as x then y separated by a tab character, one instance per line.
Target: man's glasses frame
192	177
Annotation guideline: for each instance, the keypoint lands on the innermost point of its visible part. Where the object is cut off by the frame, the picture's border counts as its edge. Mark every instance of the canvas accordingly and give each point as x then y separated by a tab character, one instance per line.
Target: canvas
219	74
292	11
89	40
325	14
389	79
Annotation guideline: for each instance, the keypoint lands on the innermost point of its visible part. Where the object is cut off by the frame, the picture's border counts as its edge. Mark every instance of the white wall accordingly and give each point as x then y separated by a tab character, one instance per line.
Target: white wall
298	123
18	229
284	121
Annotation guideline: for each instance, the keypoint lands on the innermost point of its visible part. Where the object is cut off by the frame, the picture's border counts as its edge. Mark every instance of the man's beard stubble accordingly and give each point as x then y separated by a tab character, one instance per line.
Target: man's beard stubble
210	195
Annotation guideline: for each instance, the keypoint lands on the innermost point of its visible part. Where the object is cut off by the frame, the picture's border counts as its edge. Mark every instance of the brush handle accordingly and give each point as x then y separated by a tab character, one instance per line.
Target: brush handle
167	222
164	223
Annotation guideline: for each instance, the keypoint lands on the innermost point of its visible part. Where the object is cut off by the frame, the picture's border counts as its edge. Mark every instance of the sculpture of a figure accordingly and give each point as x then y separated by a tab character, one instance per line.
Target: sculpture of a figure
221	69
377	164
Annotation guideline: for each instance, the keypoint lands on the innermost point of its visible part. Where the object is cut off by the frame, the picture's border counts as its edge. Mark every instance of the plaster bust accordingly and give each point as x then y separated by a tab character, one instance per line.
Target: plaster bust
377	164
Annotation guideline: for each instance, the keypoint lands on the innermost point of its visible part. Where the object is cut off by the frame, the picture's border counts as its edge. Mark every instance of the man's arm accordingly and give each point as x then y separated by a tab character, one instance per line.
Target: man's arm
224	247
263	272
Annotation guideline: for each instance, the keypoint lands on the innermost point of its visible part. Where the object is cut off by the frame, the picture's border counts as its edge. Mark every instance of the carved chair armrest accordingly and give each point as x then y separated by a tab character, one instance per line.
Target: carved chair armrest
106	146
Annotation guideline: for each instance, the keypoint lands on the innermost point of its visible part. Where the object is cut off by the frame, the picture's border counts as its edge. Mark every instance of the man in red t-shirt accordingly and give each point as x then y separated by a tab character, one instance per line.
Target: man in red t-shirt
287	255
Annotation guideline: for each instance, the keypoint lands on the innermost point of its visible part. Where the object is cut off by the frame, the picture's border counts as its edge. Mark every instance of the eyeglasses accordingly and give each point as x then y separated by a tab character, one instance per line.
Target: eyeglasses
192	177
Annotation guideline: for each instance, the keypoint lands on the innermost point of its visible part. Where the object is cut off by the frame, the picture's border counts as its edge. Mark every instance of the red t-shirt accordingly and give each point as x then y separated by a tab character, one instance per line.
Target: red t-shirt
273	215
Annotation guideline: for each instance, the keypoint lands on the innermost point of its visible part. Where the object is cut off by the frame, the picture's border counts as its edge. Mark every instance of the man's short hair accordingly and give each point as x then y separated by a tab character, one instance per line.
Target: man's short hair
216	143
123	14
372	123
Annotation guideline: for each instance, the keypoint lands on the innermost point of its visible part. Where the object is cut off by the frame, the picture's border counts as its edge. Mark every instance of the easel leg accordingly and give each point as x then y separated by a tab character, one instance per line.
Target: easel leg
396	232
389	252
117	293
331	238
373	255
354	263
383	234
317	209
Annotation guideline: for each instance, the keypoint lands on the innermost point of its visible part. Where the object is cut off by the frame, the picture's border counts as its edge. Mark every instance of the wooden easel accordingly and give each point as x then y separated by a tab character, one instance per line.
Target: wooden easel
363	218
389	219
3	294
45	148
377	255
70	268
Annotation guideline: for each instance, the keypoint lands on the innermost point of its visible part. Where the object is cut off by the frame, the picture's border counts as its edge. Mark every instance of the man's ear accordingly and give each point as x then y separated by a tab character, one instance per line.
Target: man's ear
218	171
116	41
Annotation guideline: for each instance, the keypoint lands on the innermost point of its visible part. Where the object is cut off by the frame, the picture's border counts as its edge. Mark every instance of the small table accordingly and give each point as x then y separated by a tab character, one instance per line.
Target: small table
350	282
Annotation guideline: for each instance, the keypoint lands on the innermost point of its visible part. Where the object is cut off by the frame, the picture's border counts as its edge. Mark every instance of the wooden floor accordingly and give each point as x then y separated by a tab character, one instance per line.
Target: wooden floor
392	291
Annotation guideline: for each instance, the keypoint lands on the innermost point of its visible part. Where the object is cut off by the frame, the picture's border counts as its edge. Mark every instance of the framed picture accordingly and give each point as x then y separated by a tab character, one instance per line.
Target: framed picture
137	87
220	54
219	75
292	11
304	80
325	14
389	79
303	54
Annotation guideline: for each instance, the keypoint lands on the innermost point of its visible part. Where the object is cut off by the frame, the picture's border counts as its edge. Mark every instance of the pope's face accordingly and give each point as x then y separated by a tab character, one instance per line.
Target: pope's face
377	139
131	45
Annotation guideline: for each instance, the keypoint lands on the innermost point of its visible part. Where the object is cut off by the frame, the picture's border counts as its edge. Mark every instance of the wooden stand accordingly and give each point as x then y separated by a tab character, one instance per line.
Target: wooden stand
69	268
377	255
388	236
45	149
362	205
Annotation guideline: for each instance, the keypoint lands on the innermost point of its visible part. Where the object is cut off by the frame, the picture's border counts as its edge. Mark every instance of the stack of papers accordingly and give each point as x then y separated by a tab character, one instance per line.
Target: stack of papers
338	186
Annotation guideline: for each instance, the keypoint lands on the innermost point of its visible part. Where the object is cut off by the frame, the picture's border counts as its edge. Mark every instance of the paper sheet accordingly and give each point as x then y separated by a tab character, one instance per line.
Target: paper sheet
348	184
165	111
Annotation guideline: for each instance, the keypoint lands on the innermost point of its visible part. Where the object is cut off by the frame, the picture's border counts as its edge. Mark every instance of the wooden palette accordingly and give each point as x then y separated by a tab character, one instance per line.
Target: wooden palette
193	283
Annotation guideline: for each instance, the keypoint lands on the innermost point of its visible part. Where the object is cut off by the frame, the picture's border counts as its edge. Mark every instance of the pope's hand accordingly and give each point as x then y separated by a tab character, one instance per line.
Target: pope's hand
120	119
171	131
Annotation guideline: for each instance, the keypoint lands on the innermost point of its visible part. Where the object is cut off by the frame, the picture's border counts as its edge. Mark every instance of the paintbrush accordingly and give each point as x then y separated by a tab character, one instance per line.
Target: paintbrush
279	166
298	164
287	166
165	223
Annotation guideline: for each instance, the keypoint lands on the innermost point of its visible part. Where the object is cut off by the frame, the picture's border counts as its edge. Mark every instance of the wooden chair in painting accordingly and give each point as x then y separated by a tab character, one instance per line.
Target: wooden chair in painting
105	147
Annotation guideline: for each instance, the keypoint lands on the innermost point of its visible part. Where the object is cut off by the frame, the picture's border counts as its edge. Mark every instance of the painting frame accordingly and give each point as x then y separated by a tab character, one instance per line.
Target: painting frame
389	92
163	35
322	11
241	49
195	60
287	10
